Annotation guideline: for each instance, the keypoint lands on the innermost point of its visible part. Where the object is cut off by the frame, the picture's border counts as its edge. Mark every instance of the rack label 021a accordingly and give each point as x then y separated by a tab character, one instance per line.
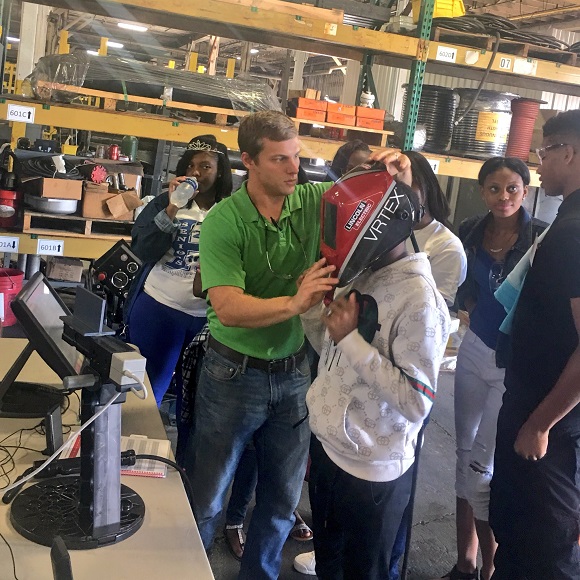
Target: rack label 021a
50	247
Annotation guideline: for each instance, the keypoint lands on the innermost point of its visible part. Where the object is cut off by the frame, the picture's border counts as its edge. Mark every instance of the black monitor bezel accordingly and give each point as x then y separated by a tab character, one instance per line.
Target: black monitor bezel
35	332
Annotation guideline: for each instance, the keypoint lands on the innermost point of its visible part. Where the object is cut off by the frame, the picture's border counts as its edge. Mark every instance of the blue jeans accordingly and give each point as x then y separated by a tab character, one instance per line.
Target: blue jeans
235	405
162	333
243	487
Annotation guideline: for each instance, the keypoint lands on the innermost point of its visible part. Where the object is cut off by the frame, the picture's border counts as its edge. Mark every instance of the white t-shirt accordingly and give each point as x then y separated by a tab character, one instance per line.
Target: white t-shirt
170	282
446	256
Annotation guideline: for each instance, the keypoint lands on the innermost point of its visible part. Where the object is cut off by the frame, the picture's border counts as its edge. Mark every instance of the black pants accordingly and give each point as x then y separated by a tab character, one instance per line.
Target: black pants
355	522
535	507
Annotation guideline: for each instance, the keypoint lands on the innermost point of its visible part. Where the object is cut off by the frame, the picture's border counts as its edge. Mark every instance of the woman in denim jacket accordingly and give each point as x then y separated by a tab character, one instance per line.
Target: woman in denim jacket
494	244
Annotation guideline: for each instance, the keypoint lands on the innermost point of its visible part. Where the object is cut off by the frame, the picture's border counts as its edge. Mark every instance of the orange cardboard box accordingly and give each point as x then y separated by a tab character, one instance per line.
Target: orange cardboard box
310	115
368	113
340	108
304	103
341	119
369	123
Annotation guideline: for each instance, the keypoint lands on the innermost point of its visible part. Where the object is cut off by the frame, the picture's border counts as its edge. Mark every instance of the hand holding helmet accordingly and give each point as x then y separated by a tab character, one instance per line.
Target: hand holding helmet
397	164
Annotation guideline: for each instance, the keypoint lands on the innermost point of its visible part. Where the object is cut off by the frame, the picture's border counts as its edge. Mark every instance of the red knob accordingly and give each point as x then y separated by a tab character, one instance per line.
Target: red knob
101	276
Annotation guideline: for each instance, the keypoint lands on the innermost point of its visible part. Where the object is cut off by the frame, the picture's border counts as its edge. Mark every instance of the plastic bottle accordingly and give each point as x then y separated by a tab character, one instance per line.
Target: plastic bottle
129	146
185	191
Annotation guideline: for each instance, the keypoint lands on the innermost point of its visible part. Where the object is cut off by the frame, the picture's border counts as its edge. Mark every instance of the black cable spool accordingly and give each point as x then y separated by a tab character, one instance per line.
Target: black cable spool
483	132
436	113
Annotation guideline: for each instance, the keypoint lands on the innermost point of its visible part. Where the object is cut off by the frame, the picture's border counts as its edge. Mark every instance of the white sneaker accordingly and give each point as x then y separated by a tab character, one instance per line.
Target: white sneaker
305	564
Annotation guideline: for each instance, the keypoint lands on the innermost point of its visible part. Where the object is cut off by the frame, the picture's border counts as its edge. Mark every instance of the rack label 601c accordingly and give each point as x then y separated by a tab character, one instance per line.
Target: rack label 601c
20	113
50	247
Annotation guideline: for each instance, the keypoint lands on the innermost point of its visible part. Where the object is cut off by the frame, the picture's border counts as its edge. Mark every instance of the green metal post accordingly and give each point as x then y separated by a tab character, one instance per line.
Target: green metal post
418	73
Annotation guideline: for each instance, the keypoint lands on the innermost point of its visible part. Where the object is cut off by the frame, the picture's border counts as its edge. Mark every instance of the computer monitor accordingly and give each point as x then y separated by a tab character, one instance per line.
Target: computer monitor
39	309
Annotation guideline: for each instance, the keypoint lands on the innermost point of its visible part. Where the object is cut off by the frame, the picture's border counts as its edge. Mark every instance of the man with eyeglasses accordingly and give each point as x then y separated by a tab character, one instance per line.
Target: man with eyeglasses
255	374
535	491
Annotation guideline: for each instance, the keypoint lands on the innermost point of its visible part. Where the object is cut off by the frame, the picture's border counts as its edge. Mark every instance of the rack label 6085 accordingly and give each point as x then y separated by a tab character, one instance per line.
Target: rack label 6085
50	247
20	113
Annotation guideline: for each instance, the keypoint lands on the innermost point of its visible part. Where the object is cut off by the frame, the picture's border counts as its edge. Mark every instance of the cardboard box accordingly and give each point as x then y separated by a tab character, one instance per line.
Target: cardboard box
53	188
341	108
341	119
538	135
95	203
369	113
307	93
303	103
133	182
369	123
122	203
311	115
66	269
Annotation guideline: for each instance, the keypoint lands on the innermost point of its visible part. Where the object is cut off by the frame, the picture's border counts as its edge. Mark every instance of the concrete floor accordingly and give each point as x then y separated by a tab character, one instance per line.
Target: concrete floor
433	542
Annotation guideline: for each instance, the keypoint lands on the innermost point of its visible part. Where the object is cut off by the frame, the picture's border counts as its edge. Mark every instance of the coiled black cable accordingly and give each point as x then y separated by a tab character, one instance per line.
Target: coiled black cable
44	167
492	24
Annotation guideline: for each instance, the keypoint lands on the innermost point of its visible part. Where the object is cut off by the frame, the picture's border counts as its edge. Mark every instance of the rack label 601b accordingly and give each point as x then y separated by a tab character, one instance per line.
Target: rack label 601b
20	113
50	247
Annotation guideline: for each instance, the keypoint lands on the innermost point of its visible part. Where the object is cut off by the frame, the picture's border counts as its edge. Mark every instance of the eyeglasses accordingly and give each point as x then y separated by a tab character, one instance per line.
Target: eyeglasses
496	276
304	263
542	151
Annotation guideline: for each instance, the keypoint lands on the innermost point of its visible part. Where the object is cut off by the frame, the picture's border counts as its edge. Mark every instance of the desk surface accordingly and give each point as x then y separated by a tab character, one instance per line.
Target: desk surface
167	545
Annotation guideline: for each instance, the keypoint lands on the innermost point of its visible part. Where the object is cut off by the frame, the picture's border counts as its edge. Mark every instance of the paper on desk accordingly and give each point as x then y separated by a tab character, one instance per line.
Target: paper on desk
142	445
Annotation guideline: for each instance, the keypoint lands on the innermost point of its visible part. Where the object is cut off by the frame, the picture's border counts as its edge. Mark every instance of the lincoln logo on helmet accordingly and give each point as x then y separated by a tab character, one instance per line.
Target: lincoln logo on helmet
365	215
357	218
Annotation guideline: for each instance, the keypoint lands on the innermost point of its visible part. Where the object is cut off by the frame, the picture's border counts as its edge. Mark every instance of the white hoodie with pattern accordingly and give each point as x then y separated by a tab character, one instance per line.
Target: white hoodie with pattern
369	401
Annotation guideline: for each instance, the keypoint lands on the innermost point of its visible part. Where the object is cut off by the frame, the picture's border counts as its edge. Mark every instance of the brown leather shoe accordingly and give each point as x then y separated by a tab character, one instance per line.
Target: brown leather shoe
235	540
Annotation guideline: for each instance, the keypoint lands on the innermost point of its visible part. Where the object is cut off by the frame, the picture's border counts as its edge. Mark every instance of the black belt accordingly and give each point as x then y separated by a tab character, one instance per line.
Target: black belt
273	366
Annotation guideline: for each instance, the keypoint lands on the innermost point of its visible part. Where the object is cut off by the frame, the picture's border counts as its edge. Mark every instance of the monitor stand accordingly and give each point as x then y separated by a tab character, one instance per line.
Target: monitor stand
26	400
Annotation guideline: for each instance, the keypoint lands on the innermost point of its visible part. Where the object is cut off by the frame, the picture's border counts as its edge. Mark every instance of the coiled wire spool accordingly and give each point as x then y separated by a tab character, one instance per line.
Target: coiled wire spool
484	130
524	114
436	113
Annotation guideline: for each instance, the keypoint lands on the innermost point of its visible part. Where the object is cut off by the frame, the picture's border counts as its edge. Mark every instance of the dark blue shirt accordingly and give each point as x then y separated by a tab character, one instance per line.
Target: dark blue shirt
488	313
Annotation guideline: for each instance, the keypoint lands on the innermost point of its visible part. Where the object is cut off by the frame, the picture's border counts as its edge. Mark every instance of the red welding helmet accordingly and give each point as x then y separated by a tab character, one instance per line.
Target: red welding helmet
365	215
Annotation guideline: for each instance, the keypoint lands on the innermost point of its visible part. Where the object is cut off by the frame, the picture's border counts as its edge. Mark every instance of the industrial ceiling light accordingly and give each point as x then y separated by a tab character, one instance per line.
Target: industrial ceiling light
135	27
12	39
114	44
93	52
254	51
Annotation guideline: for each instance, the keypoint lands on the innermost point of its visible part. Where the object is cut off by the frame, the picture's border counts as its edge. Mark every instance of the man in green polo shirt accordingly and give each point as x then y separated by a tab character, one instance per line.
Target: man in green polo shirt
253	247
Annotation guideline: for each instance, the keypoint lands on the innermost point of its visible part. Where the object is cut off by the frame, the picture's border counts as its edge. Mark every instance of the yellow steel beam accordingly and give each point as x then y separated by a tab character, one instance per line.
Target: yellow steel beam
120	123
63	45
231	67
103	46
288	25
74	247
467	168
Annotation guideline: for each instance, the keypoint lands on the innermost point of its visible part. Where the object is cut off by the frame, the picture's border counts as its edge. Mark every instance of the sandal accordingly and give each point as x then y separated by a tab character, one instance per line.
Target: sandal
301	532
235	540
455	574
